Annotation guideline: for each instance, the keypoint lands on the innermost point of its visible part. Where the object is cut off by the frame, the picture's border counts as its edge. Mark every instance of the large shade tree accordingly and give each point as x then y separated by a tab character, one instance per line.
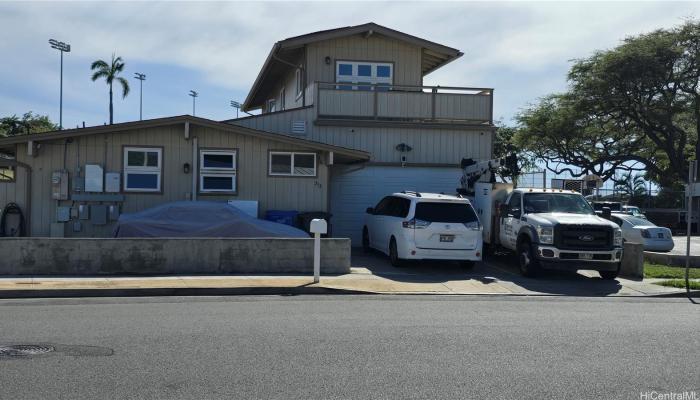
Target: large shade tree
634	107
109	72
28	123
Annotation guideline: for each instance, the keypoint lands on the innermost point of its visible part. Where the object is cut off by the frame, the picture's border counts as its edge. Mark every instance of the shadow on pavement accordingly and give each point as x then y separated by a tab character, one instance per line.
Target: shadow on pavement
498	270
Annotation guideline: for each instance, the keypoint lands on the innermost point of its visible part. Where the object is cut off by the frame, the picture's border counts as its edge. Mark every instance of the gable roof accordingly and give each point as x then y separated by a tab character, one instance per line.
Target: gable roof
434	55
8	142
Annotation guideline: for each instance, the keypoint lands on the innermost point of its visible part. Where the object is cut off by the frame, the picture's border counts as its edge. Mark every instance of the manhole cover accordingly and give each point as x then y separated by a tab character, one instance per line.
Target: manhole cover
21	350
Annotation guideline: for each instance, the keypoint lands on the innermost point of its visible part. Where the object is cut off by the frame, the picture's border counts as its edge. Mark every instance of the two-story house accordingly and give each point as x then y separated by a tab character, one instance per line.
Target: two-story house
361	87
345	120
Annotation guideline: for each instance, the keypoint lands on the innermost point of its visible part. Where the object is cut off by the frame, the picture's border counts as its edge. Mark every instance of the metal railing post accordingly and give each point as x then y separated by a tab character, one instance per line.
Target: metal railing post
374	88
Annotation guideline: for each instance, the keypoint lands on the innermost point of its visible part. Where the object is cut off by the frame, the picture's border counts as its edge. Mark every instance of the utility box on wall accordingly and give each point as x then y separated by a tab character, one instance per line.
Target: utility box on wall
59	185
94	178
112	182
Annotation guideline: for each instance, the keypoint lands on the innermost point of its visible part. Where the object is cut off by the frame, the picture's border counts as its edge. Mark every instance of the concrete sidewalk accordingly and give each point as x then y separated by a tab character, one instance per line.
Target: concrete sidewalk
486	279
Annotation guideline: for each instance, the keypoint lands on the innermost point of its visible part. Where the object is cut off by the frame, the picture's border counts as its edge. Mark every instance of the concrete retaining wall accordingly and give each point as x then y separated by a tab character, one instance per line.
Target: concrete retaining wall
152	256
671	259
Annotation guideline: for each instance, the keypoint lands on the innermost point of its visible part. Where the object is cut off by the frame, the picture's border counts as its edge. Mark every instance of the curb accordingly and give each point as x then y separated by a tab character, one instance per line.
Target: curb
165	292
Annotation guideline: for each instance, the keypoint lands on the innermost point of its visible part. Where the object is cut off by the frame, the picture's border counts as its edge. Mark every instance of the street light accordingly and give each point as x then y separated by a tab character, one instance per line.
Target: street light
194	96
236	105
141	77
61	47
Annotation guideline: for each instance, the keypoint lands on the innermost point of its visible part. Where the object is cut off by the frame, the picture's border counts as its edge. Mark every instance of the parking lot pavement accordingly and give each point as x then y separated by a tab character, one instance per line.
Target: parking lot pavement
680	243
499	274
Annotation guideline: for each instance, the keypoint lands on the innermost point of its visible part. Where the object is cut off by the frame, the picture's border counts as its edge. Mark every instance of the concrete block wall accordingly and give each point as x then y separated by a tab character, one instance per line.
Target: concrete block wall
156	256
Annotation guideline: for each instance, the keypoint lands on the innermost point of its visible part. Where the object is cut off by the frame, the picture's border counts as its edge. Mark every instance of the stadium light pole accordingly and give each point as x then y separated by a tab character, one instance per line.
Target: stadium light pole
140	77
62	48
194	96
237	106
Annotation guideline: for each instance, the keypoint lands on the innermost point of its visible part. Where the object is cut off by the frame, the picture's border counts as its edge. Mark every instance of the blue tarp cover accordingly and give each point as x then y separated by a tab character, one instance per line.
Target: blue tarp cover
200	219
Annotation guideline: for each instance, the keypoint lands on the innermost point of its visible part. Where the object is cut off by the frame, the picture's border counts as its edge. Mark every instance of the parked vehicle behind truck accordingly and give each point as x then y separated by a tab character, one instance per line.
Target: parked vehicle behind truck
548	229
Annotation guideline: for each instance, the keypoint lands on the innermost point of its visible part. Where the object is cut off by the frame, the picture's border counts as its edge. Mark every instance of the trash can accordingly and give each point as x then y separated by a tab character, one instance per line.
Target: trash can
304	220
282	217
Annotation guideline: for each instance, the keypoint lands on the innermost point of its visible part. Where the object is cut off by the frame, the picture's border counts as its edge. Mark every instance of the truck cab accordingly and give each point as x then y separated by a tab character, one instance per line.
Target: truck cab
557	229
549	229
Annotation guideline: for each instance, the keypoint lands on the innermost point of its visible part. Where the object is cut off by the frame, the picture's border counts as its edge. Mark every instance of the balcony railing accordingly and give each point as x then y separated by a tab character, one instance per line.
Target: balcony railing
426	104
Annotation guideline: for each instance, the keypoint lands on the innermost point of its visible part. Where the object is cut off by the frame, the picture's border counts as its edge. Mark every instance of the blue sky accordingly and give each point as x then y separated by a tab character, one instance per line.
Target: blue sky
521	49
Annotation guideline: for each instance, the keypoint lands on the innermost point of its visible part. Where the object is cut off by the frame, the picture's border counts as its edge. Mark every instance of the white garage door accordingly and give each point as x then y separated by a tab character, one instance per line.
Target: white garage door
353	190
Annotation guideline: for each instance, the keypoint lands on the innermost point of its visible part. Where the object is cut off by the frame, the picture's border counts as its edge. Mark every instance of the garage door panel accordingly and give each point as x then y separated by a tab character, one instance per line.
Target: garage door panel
353	191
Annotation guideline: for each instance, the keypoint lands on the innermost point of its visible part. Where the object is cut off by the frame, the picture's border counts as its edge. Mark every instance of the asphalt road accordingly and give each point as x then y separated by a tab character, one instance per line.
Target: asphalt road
358	347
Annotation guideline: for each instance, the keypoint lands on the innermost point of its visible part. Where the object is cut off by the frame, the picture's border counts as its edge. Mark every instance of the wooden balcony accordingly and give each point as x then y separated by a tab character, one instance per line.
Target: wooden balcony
406	104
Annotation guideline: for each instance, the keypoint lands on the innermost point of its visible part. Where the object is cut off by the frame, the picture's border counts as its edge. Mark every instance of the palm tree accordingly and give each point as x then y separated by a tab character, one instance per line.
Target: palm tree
109	73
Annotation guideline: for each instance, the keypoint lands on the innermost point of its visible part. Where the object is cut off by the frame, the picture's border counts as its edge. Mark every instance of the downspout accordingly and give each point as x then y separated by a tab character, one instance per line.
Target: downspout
195	169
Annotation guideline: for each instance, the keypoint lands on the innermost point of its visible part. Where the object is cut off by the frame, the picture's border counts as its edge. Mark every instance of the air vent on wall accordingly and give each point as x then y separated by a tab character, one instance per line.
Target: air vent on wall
299	127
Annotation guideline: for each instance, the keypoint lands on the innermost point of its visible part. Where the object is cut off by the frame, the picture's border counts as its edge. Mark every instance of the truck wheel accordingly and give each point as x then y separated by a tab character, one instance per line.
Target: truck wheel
394	254
526	259
610	275
365	240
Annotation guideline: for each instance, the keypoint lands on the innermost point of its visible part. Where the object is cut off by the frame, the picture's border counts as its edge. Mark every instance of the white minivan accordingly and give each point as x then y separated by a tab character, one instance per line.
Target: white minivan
424	226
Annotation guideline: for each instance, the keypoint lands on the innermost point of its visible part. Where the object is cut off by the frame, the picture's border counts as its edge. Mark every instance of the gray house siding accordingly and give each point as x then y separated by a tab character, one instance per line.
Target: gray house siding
430	145
289	193
406	57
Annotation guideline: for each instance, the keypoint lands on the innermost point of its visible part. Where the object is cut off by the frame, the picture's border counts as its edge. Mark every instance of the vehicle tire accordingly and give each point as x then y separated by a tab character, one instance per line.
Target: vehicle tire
394	254
529	266
466	264
610	275
365	240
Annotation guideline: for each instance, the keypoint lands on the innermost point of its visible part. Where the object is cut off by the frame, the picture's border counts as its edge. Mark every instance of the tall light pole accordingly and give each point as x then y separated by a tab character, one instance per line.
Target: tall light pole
62	48
236	105
194	96
141	77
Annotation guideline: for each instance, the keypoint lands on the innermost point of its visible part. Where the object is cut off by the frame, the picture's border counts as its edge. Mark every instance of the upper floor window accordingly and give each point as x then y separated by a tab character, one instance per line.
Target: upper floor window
142	169
360	72
299	84
271	105
283	100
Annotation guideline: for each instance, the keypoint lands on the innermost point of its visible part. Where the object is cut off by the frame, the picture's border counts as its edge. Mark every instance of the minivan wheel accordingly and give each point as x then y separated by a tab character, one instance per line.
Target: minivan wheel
394	254
365	240
526	259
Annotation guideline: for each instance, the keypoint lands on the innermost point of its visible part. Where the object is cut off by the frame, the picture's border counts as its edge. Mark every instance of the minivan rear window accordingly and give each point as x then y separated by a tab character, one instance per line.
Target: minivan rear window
445	212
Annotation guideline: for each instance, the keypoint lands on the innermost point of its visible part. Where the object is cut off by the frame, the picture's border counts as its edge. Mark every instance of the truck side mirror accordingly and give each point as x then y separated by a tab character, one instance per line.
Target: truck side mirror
503	209
369	210
607	212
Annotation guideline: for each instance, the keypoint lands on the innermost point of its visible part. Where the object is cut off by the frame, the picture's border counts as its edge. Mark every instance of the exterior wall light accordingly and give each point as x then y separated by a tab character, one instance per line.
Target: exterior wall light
186	168
328	60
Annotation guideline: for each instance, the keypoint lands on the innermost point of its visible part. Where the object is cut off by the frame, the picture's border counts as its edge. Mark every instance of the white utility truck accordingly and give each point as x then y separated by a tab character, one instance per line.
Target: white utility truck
546	228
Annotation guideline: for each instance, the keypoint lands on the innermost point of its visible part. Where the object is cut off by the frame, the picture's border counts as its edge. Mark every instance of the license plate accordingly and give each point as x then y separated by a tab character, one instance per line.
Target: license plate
447	238
585	256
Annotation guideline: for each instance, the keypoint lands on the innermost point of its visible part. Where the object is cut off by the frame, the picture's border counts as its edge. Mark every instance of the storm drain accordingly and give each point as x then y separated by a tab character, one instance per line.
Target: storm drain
24	350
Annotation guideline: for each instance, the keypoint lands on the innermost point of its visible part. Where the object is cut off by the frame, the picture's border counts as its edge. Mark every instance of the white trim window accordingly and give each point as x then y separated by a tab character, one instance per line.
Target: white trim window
143	167
298	82
217	171
290	163
368	73
283	99
271	105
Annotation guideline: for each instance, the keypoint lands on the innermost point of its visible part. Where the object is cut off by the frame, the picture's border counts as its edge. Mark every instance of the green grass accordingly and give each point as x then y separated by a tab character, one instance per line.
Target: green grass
665	271
680	283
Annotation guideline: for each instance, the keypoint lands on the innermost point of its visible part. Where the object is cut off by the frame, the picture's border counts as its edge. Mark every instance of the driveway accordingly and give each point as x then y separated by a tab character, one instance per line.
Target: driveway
497	274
